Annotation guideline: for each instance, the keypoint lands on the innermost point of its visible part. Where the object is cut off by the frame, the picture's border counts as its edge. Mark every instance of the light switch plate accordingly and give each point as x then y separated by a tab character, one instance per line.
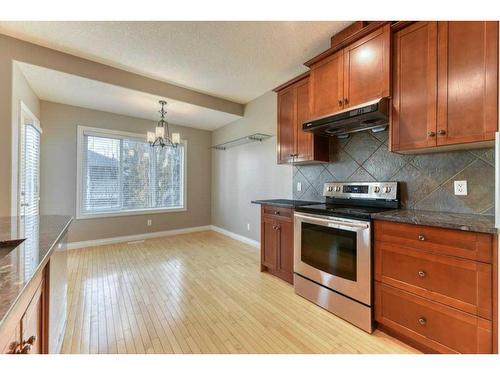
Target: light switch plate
460	187
299	186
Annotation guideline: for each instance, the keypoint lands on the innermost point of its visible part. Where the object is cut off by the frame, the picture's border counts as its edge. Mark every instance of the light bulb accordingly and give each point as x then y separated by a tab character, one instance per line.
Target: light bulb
160	132
176	138
151	137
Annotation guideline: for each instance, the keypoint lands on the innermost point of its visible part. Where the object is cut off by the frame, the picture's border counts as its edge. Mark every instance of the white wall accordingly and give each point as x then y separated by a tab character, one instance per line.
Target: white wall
244	173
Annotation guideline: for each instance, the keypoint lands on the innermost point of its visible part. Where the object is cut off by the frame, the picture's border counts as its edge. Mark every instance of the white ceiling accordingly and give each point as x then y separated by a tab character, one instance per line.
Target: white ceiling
59	87
238	61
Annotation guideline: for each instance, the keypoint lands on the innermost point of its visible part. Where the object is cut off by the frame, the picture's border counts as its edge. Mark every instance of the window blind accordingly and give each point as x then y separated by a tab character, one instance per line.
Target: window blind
122	173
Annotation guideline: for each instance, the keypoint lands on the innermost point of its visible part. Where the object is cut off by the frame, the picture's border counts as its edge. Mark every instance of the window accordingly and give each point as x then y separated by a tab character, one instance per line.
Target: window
120	173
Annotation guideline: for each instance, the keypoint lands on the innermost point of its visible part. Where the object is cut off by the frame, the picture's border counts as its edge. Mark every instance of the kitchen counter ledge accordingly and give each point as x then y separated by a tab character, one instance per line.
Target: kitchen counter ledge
465	222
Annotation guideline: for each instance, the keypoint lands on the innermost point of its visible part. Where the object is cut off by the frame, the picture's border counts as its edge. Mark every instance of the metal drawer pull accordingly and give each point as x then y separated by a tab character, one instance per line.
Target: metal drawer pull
421	237
422	321
421	273
276	212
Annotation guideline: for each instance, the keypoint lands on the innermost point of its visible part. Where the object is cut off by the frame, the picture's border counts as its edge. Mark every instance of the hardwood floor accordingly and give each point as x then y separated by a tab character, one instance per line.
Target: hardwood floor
197	293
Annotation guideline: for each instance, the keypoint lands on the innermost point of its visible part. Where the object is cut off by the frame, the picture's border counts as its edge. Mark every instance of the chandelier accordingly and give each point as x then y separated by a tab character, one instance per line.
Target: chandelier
161	135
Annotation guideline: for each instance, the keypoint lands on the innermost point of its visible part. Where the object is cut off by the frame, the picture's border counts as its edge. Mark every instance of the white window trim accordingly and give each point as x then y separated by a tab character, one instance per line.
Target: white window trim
79	158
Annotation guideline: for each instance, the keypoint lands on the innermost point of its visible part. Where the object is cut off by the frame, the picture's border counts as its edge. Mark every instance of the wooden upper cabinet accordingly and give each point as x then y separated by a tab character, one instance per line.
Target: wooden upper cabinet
467	82
303	140
326	85
295	145
367	68
414	107
286	125
445	85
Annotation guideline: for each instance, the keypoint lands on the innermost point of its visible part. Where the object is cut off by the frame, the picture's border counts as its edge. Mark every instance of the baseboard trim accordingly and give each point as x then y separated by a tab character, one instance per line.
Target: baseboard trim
135	237
235	236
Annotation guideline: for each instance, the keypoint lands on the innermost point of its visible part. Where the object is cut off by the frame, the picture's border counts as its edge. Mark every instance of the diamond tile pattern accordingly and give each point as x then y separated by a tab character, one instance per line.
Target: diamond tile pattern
426	179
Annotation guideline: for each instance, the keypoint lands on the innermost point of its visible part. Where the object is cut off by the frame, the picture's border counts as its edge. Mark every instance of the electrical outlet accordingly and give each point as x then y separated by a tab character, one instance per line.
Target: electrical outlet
248	227
299	186
460	187
150	222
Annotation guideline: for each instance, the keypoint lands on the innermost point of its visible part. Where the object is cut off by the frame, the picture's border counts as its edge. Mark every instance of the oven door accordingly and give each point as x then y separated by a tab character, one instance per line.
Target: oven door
335	253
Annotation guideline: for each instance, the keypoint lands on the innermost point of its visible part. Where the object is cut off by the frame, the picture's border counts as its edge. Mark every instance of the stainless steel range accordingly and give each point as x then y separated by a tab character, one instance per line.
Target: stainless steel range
333	248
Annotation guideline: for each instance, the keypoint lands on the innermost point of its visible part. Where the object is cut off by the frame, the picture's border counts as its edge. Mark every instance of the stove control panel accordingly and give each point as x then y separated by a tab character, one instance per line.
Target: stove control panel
362	190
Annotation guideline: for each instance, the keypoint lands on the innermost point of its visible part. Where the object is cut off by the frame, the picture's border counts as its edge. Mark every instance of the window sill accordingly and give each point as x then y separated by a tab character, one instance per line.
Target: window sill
130	213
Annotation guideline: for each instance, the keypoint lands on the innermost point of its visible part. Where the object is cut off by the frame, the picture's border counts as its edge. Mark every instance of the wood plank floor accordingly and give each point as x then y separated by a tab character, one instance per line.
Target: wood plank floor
197	293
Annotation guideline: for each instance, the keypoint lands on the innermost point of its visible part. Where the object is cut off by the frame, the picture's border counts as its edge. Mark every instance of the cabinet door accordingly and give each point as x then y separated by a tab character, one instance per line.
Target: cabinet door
414	101
269	243
367	68
285	250
286	125
32	324
304	140
326	85
467	82
10	340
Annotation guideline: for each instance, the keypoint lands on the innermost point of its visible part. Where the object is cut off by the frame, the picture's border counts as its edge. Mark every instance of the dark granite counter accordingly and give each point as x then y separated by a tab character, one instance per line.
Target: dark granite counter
19	266
466	222
288	203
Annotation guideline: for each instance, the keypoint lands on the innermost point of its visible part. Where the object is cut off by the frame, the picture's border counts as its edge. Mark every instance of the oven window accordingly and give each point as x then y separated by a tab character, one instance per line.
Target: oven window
330	250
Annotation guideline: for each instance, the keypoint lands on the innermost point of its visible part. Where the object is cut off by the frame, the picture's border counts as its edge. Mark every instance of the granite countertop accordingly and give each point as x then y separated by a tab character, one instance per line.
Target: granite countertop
288	203
466	222
21	265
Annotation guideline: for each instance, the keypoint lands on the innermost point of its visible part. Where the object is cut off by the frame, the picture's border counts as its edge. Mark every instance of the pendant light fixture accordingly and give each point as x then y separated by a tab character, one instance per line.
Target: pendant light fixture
161	135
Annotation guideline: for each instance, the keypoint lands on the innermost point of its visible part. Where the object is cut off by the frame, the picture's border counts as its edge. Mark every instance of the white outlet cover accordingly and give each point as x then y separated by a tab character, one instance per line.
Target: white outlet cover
460	187
248	226
299	186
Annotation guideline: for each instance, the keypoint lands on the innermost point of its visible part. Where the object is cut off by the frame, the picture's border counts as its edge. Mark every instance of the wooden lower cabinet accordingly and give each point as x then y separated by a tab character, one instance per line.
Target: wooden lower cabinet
434	287
25	331
277	241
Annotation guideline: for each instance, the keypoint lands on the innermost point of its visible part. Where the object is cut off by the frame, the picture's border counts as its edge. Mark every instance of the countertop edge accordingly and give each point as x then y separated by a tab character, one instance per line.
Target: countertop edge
416	221
39	269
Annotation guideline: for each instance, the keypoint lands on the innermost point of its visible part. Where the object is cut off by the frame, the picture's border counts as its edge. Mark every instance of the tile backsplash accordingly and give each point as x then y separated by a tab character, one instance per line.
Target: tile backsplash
426	179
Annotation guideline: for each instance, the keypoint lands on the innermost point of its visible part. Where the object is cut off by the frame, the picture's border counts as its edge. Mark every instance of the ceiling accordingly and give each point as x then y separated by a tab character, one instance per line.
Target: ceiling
238	61
59	87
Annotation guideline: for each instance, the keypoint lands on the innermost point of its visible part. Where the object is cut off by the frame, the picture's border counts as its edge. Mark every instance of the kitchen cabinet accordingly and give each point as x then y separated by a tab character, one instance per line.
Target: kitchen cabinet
445	92
277	241
25	331
434	287
356	74
294	145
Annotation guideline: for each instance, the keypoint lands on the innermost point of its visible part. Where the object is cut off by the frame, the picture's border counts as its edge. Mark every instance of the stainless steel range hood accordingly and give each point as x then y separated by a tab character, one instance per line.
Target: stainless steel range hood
373	115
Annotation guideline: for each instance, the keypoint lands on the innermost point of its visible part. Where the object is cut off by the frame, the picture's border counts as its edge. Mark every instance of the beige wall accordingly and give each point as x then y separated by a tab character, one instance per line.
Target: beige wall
244	173
12	49
21	91
58	173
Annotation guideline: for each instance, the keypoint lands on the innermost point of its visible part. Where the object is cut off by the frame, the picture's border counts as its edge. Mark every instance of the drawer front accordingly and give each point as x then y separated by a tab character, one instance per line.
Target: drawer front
277	212
438	327
462	244
463	284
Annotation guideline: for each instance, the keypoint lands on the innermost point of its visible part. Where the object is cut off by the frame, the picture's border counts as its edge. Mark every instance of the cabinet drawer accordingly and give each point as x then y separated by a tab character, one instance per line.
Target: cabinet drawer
277	212
463	284
469	245
440	328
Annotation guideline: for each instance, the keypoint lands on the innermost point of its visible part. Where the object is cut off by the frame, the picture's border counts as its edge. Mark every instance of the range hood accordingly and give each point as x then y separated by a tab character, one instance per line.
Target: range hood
373	115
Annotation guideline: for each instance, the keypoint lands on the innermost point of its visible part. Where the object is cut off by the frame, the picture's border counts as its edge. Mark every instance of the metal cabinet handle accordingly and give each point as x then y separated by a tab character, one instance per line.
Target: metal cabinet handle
421	273
441	132
276	212
422	321
346	101
431	134
26	349
31	340
340	102
421	237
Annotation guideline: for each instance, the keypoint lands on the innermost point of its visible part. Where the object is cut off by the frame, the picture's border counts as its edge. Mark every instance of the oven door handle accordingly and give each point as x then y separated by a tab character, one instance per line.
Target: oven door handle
353	227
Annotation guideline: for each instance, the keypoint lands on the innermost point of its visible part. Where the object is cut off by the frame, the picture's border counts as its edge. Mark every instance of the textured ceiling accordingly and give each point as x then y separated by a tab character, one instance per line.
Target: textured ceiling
238	61
69	89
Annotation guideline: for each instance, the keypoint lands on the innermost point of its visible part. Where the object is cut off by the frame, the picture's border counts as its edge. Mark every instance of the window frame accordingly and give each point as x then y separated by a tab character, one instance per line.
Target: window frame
102	132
